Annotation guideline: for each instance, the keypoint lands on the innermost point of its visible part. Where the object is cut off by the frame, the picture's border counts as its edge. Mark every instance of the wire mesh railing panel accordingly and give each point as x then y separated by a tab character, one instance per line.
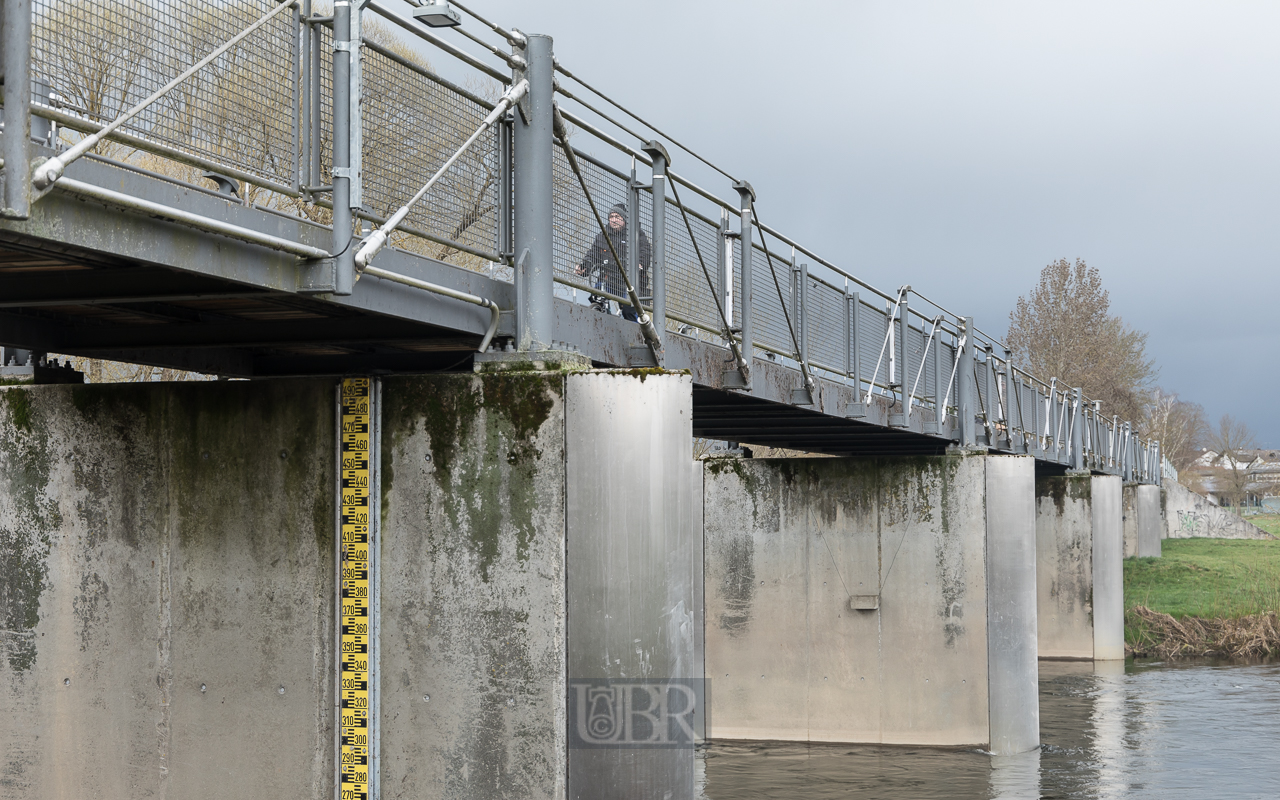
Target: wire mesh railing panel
1026	408
981	388
768	319
322	136
947	361
871	338
96	60
411	126
908	371
826	321
688	293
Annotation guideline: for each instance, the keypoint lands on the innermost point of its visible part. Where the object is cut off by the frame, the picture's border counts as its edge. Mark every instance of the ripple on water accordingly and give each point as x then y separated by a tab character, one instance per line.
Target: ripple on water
1163	731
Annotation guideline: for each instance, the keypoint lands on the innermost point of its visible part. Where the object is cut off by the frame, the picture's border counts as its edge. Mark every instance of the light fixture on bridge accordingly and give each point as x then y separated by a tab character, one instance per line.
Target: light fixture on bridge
437	14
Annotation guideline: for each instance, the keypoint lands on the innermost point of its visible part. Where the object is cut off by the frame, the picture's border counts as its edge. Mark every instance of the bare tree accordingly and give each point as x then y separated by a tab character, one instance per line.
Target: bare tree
1178	425
1063	328
1231	439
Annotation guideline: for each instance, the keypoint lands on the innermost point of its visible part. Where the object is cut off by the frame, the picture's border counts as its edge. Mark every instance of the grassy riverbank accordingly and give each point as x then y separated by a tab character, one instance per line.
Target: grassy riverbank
1204	597
1268	522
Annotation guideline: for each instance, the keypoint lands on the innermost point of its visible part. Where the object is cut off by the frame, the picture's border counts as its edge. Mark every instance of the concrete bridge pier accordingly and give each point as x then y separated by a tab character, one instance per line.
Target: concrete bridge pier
1079	574
1143	520
169	581
878	600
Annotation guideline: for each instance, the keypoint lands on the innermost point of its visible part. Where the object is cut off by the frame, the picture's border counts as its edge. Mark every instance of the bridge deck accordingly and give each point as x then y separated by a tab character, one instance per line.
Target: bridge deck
84	279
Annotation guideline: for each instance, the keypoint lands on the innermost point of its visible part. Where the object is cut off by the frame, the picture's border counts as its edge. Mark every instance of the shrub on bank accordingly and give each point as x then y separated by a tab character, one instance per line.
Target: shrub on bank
1204	597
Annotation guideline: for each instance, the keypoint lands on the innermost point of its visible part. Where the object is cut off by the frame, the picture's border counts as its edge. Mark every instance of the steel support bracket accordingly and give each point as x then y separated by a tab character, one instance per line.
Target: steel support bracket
801	397
855	410
641	357
732	379
318	276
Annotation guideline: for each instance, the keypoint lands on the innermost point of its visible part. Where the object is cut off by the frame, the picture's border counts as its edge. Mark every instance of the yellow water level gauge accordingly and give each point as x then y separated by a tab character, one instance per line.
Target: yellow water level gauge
357	615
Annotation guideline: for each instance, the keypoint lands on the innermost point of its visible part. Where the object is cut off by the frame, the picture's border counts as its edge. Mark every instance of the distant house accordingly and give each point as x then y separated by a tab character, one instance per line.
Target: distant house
1219	477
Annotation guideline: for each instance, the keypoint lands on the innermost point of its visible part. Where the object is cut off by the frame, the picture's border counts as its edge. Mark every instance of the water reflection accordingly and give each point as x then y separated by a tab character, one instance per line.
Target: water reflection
1166	731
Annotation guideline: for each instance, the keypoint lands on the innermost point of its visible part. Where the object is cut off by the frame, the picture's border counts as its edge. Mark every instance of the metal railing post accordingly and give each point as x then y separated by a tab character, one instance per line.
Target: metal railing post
802	313
990	396
535	279
16	21
1095	448
633	232
1113	443
746	196
965	387
1013	399
852	352
1035	443
504	231
940	373
658	260
903	374
1077	430
1055	417
721	274
1126	464
316	91
345	53
304	111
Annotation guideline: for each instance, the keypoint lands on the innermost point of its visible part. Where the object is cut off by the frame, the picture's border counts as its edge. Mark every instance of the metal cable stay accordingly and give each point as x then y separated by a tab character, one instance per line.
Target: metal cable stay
48	174
735	347
378	239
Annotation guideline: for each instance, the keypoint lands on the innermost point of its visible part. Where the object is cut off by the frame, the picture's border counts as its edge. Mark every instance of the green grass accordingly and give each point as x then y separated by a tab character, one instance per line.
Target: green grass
1223	578
1268	522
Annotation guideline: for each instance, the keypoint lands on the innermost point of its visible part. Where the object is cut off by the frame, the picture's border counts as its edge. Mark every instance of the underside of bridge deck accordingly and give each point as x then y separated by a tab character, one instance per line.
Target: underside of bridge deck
732	417
68	301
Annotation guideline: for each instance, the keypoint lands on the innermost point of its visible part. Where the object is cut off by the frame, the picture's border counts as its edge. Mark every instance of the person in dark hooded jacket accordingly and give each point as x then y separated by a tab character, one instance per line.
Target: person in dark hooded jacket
598	262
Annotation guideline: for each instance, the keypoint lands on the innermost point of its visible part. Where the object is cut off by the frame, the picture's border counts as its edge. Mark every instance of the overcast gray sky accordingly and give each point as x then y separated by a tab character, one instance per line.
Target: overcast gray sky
960	147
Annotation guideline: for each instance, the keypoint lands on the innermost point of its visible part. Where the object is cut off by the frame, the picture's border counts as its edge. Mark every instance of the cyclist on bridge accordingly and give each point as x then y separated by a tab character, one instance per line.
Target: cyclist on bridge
598	264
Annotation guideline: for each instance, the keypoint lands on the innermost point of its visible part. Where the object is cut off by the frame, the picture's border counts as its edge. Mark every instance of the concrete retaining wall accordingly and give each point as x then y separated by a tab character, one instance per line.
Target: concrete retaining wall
1188	515
790	541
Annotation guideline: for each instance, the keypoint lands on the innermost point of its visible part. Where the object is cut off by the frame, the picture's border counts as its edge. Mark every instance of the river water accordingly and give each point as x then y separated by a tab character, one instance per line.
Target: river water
1155	730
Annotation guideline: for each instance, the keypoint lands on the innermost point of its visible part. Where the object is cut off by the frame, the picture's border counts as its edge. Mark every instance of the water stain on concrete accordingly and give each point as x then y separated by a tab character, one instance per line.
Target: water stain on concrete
737	583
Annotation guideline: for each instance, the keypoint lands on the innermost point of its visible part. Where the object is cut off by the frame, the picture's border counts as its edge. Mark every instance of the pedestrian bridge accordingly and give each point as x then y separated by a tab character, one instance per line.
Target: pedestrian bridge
310	193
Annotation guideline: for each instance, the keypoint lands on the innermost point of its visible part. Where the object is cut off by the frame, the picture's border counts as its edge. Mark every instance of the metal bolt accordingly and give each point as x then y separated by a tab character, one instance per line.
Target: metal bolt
426	698
284	453
511	702
280	690
66	681
203	688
